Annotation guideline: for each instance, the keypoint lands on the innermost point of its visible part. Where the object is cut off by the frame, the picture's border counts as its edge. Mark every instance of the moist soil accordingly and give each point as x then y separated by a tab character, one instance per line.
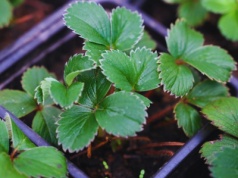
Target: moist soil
161	137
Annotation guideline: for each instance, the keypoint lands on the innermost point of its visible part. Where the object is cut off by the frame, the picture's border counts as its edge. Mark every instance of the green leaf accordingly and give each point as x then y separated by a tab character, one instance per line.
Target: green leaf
44	123
16	3
6	13
176	78
174	1
90	21
212	61
209	149
65	96
135	73
146	41
126	28
182	40
17	102
193	12
32	78
95	89
205	92
7	170
121	114
94	51
77	128
4	137
220	6
41	162
76	64
19	140
224	114
145	100
228	23
188	118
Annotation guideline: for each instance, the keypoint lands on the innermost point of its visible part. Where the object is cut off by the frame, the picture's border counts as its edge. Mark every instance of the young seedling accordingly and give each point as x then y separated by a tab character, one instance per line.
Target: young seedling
190	10
228	21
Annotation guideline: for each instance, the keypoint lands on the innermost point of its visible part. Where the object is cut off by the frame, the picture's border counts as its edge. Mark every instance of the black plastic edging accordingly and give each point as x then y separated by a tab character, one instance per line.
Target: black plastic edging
36	139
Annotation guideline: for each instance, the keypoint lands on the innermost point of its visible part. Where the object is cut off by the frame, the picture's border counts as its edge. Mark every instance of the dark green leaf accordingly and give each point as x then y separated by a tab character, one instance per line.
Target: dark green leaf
4	137
224	114
121	114
17	102
126	28
90	21
76	64
77	128
188	118
16	2
41	162
44	123
205	92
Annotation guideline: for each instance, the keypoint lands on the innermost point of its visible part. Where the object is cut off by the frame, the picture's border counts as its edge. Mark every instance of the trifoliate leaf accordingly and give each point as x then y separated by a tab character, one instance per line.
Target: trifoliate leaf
6	13
7	169
44	123
227	23
206	92
42	92
146	41
224	114
41	162
17	102
193	12
121	114
32	78
135	73
188	118
76	64
176	78
77	128
182	40
212	61
19	140
4	137
209	149
126	28
219	6
65	96
95	88
90	21
94	51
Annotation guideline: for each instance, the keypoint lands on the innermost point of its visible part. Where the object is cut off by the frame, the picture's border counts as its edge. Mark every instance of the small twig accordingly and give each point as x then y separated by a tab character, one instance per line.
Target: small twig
160	114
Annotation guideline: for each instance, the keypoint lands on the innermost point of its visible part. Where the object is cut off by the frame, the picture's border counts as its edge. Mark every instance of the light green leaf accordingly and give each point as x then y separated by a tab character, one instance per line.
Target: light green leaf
77	128
176	78
41	162
17	102
135	73
219	6
228	23
224	114
126	28
95	89
205	92
188	118
94	51
90	21
212	61
4	137
65	96
193	12
32	78
182	40
7	170
19	140
6	13
76	64
121	114
209	149
146	41
44	123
